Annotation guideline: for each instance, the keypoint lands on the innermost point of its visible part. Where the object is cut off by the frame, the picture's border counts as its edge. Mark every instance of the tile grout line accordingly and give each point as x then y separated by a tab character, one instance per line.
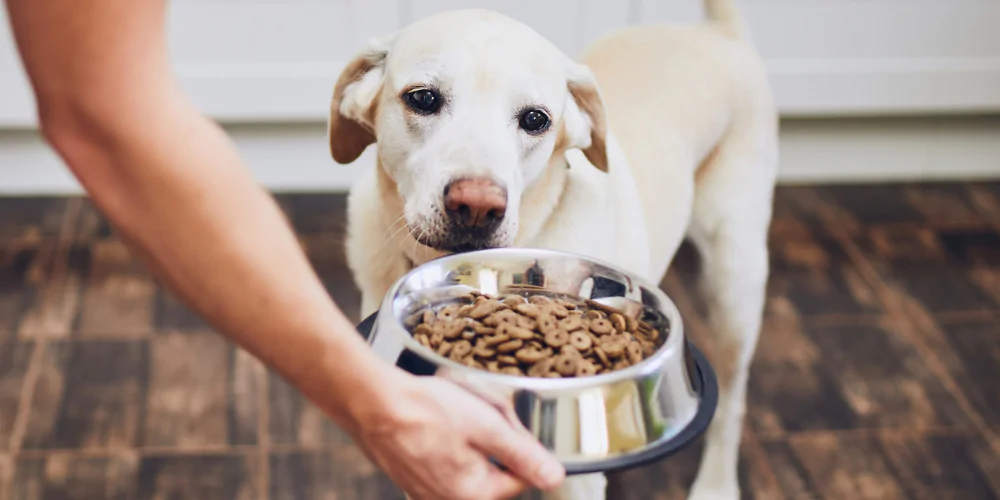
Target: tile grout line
33	372
690	317
896	312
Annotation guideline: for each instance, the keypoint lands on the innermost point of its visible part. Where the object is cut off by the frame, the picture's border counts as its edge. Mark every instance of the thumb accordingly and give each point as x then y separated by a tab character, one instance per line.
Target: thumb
520	453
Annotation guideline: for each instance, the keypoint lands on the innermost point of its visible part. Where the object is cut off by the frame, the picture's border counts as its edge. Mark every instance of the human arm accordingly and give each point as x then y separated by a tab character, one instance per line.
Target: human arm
173	185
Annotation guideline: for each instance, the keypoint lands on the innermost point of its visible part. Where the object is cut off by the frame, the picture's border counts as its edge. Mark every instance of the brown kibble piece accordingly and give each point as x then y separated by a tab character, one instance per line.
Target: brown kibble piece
510	346
526	323
634	352
580	340
449	329
617	321
444	348
482	329
449	312
514	300
586	368
541	368
602	356
529	310
571	323
461	349
493	366
556	338
505	316
507	360
436	339
601	326
483	307
594	314
621	364
548	324
566	364
540	300
496	340
482	350
424	329
423	338
472	363
557	311
511	370
631	325
529	355
614	347
515	332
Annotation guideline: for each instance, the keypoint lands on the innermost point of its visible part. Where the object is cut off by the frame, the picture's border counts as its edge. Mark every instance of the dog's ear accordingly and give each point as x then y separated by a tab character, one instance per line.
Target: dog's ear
351	128
585	120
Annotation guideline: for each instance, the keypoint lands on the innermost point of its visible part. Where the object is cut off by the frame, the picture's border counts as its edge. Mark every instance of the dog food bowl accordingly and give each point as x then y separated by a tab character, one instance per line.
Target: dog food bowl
610	421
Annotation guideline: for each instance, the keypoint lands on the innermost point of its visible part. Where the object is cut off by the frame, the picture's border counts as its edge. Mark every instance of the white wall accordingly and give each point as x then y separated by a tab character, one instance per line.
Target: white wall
266	67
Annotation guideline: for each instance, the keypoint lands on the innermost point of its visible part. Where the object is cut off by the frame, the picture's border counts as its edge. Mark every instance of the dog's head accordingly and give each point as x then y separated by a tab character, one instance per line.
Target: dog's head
468	109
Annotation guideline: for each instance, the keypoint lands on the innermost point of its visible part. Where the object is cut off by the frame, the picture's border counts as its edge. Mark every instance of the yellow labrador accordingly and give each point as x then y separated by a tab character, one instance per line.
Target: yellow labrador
489	136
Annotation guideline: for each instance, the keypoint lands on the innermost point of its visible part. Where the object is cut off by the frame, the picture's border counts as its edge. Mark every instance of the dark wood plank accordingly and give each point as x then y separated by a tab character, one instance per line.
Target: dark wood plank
844	377
671	478
172	314
324	474
189	398
815	277
14	360
976	366
119	294
69	477
58	289
326	254
26	220
218	477
295	421
893	466
944	203
89	395
945	271
22	273
315	213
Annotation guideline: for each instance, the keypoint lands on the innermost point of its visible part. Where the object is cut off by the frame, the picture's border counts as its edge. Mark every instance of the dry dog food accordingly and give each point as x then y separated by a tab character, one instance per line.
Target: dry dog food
537	336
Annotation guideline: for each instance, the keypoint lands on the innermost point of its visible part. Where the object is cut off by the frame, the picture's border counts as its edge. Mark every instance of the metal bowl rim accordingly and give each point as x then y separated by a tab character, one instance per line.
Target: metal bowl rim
670	351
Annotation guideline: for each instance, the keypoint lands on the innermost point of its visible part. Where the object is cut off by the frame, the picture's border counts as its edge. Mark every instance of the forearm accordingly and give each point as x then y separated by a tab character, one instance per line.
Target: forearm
173	185
175	188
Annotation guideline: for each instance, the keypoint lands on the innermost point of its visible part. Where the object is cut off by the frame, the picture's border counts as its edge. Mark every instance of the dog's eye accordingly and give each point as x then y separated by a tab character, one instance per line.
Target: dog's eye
424	101
534	121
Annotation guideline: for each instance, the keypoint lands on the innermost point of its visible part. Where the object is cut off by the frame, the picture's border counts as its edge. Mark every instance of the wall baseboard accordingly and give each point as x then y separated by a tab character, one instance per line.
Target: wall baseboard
294	157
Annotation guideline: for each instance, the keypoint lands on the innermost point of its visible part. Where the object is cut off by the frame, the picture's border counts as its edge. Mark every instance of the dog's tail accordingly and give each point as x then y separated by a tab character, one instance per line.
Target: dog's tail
727	17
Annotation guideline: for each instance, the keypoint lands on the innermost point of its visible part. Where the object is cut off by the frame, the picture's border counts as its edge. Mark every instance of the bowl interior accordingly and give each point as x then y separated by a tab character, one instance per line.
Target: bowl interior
531	272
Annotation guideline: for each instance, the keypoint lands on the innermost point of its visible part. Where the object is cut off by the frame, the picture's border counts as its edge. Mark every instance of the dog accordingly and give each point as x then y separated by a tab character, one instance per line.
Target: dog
489	136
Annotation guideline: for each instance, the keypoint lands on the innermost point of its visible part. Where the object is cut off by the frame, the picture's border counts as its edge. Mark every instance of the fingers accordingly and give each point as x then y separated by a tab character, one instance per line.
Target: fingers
520	453
503	486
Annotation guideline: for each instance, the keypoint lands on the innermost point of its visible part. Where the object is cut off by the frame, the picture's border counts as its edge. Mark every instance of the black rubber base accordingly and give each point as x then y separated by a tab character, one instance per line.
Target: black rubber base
705	384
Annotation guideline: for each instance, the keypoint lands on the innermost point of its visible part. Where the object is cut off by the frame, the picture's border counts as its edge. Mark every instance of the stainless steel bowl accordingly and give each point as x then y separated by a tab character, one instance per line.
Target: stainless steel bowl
599	423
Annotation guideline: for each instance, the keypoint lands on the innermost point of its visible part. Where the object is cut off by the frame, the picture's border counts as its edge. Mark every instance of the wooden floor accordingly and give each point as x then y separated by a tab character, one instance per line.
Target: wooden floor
877	375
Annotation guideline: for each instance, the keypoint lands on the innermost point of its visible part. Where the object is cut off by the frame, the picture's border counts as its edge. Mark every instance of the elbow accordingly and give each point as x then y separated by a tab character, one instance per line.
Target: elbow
74	131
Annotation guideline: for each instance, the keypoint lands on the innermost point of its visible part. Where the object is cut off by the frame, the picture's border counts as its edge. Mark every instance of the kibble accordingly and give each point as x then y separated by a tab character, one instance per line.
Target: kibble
535	336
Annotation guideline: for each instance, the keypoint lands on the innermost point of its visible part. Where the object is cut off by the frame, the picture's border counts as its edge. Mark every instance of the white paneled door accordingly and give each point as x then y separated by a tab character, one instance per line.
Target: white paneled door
268	61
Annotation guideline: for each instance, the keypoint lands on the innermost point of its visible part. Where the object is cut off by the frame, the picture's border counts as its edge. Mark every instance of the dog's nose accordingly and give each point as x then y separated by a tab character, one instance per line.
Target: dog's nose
475	203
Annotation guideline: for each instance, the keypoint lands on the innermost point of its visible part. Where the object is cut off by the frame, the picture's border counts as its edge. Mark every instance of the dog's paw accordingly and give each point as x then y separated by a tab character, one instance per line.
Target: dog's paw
705	491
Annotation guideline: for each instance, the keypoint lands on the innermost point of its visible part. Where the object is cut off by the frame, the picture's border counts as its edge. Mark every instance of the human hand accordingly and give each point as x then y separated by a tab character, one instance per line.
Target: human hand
436	439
